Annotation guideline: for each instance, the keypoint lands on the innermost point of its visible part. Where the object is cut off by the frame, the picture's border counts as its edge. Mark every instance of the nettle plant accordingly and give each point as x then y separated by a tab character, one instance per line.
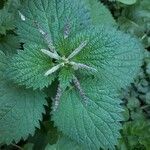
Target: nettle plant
77	44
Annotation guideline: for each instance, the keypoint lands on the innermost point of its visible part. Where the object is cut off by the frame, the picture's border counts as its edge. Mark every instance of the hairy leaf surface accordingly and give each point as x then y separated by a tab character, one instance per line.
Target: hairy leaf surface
116	56
3	63
20	109
29	66
95	124
65	77
135	134
53	16
9	44
99	13
6	21
64	143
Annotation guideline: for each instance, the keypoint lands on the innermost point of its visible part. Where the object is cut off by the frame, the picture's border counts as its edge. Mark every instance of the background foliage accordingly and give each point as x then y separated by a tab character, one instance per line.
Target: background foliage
131	16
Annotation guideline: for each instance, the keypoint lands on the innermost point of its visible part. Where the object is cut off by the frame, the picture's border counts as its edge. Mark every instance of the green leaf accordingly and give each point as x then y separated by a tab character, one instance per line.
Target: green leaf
53	16
13	5
28	146
126	114
64	143
46	134
147	96
99	13
50	147
65	77
135	20
6	21
133	103
93	125
116	56
3	63
20	111
9	44
39	139
29	66
136	134
128	2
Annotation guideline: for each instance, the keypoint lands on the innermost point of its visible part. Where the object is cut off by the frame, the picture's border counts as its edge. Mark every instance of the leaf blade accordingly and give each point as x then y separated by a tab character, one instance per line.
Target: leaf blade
20	109
95	125
52	17
117	56
29	66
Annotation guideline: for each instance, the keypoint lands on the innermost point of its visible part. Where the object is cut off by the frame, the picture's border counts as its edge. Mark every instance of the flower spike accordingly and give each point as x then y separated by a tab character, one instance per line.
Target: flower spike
66	30
47	38
23	18
77	50
77	66
50	54
79	88
57	98
54	69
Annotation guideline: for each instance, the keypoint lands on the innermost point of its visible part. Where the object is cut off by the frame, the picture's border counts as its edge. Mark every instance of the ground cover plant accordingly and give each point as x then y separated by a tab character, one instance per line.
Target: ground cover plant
74	74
